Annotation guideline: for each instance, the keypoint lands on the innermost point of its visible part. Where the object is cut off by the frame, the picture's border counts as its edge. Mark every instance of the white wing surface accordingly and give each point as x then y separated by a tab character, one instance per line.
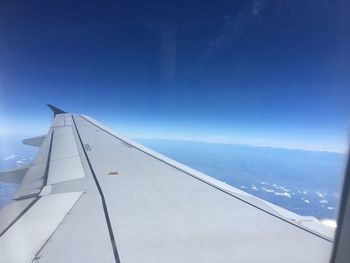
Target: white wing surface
93	196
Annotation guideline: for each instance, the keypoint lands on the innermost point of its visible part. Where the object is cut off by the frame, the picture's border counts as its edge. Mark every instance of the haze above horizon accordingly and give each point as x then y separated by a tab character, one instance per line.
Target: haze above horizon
263	73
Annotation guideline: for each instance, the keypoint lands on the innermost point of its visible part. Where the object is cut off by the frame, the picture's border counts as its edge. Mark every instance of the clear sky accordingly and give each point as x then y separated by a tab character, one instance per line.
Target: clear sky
255	72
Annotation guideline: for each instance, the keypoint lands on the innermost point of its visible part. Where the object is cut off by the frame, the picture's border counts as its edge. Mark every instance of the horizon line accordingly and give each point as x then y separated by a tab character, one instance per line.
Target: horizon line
262	145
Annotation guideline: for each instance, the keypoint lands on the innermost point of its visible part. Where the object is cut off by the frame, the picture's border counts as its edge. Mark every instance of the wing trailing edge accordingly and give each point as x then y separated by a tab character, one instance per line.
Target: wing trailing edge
14	176
34	141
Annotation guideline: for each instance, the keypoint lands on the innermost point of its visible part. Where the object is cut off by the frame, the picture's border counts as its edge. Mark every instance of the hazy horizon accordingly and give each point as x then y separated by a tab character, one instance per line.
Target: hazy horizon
250	72
305	182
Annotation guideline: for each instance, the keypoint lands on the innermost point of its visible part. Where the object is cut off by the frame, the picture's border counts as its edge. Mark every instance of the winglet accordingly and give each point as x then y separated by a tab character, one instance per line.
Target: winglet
55	109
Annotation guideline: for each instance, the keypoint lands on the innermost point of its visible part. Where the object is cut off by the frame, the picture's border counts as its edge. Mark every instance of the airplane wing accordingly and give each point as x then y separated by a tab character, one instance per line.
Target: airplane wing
91	195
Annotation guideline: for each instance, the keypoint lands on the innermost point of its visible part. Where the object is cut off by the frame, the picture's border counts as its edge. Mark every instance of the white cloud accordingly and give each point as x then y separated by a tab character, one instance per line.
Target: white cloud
9	157
319	194
286	194
268	190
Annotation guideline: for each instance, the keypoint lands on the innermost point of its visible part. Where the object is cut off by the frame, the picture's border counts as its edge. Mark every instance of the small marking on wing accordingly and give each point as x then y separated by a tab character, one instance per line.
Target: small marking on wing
87	147
113	173
127	144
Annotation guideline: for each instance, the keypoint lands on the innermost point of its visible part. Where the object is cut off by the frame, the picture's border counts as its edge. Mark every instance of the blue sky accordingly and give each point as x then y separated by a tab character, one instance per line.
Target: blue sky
256	72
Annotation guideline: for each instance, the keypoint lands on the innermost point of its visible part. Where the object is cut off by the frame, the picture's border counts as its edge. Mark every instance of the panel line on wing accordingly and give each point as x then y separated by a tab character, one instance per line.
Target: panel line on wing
104	205
40	222
216	187
19	216
65	163
36	196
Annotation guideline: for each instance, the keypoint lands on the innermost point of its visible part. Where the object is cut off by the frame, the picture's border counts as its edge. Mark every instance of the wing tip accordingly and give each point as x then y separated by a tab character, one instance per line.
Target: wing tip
55	109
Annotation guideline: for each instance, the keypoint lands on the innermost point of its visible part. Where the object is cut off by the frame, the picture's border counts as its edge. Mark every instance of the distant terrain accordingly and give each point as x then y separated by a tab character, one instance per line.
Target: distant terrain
305	182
